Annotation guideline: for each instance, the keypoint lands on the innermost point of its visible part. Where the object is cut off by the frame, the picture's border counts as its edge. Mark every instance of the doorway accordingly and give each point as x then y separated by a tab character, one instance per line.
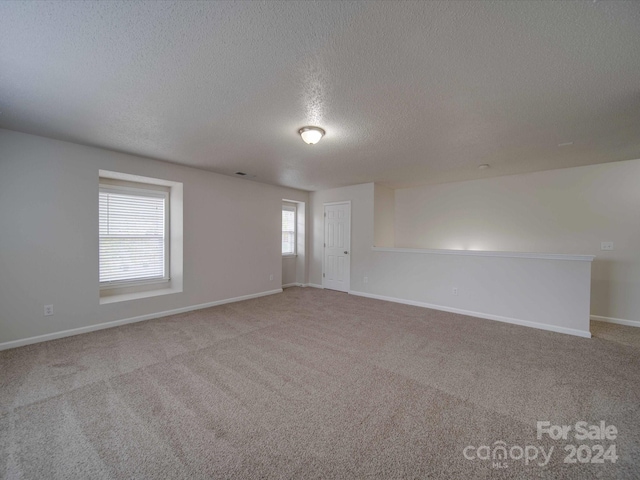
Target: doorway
337	246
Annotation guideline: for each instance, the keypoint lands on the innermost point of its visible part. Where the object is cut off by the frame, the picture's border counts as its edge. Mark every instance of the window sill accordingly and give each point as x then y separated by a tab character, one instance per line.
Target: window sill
124	297
289	255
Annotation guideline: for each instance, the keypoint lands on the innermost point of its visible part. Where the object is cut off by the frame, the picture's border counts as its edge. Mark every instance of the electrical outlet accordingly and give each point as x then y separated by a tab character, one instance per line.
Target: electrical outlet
48	310
271	277
606	246
455	291
366	280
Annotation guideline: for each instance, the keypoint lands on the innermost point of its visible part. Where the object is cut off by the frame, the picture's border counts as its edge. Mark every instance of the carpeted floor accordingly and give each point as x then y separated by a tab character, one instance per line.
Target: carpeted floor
317	384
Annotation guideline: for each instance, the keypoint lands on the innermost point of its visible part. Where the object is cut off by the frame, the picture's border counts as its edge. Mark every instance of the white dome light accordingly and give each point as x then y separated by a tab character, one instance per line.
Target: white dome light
311	135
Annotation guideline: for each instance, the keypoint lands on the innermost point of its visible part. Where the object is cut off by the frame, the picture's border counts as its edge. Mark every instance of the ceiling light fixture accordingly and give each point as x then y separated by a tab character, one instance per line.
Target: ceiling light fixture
483	166
311	135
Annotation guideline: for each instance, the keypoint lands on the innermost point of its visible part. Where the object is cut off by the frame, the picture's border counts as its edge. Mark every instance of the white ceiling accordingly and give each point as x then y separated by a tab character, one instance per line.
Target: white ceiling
408	92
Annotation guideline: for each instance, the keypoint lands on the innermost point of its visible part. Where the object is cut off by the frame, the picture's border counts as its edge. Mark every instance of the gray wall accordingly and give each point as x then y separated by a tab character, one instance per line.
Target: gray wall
49	235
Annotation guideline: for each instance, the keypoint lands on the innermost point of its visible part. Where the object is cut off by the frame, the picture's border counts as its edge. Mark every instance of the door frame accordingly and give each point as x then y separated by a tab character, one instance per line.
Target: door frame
325	204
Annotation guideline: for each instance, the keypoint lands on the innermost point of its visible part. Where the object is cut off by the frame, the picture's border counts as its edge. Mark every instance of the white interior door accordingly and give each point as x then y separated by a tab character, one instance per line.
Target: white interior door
337	246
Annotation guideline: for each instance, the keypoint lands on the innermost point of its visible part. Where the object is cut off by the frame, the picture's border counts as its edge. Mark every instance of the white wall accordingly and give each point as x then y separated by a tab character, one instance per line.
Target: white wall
384	216
552	294
294	268
560	211
303	244
289	270
49	235
545	293
361	197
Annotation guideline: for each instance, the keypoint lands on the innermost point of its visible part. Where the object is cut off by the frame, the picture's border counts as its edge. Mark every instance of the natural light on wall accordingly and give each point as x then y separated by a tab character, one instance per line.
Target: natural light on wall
475	246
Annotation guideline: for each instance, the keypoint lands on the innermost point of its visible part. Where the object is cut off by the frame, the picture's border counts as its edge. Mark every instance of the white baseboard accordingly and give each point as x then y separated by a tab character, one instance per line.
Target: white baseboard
312	285
294	284
488	316
619	321
116	323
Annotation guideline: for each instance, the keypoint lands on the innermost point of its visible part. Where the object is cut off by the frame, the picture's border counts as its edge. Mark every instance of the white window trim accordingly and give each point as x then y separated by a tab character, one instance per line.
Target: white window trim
148	191
294	209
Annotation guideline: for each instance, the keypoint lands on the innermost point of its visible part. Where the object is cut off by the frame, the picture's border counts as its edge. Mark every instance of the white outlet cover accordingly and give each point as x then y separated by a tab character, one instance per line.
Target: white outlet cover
48	310
606	246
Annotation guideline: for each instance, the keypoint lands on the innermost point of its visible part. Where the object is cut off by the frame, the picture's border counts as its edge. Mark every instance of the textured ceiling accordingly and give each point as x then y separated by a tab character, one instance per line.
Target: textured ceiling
409	93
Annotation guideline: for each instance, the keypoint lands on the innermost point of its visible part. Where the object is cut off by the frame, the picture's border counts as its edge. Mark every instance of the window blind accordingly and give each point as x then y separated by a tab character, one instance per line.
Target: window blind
132	235
288	230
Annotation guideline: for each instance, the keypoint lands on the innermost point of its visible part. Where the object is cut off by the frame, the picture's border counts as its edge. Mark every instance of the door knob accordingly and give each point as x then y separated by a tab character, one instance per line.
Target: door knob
346	253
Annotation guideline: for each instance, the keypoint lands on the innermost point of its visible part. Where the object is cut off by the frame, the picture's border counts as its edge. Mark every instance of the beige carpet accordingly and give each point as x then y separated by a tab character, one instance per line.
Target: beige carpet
314	384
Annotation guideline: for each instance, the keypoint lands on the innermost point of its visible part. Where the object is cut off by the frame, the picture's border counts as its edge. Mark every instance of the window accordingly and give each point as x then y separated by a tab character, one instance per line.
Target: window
288	230
134	235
